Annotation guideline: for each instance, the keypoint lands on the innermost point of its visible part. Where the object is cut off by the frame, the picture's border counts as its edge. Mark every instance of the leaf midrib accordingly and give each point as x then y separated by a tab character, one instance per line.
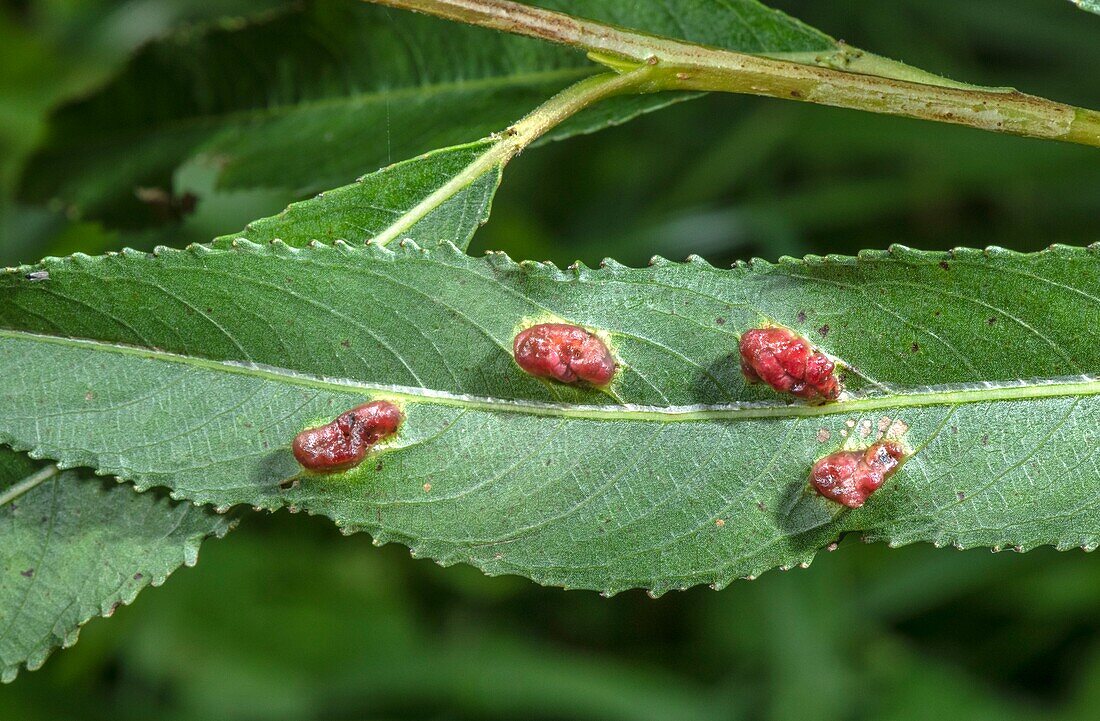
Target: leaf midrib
942	395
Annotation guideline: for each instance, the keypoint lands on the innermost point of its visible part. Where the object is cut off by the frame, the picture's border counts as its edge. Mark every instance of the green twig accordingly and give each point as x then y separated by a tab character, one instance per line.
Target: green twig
681	65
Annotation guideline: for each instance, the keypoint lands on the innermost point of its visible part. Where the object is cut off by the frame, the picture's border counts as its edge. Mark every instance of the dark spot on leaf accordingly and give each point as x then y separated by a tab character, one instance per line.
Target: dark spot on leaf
29	573
378	467
937	313
761	506
962	496
288	484
944	265
954	429
915	348
991	321
138	576
796	93
346	343
720	320
824	330
801	316
985	440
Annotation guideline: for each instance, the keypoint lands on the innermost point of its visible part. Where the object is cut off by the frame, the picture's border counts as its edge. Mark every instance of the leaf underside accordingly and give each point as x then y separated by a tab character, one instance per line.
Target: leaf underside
76	547
198	367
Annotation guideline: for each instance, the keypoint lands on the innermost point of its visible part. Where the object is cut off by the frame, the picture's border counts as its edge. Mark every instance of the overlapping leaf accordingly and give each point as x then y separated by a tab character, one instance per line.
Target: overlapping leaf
385	199
310	99
76	546
196	368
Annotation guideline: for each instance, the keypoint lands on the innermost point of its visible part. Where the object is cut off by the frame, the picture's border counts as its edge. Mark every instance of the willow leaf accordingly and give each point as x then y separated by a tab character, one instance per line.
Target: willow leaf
309	99
396	201
1090	5
194	370
305	100
74	546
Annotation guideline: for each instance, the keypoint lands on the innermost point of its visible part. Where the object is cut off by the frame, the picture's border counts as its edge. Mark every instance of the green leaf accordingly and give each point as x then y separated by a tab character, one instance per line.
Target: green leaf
309	100
743	25
74	546
391	202
1090	5
205	363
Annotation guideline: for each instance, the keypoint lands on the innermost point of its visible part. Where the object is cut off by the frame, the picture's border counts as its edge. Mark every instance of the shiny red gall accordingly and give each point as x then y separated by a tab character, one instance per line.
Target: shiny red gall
788	363
343	443
850	477
567	353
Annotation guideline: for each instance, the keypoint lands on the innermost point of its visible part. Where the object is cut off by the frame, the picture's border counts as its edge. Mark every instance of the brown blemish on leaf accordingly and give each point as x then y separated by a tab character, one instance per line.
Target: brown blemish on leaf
944	265
823	435
427	487
720	522
897	429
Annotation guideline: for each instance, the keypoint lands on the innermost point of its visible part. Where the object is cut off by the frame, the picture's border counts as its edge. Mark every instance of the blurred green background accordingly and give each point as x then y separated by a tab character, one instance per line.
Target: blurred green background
286	619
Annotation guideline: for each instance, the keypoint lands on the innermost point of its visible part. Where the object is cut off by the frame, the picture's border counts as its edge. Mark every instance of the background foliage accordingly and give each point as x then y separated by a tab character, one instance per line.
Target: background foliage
285	619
